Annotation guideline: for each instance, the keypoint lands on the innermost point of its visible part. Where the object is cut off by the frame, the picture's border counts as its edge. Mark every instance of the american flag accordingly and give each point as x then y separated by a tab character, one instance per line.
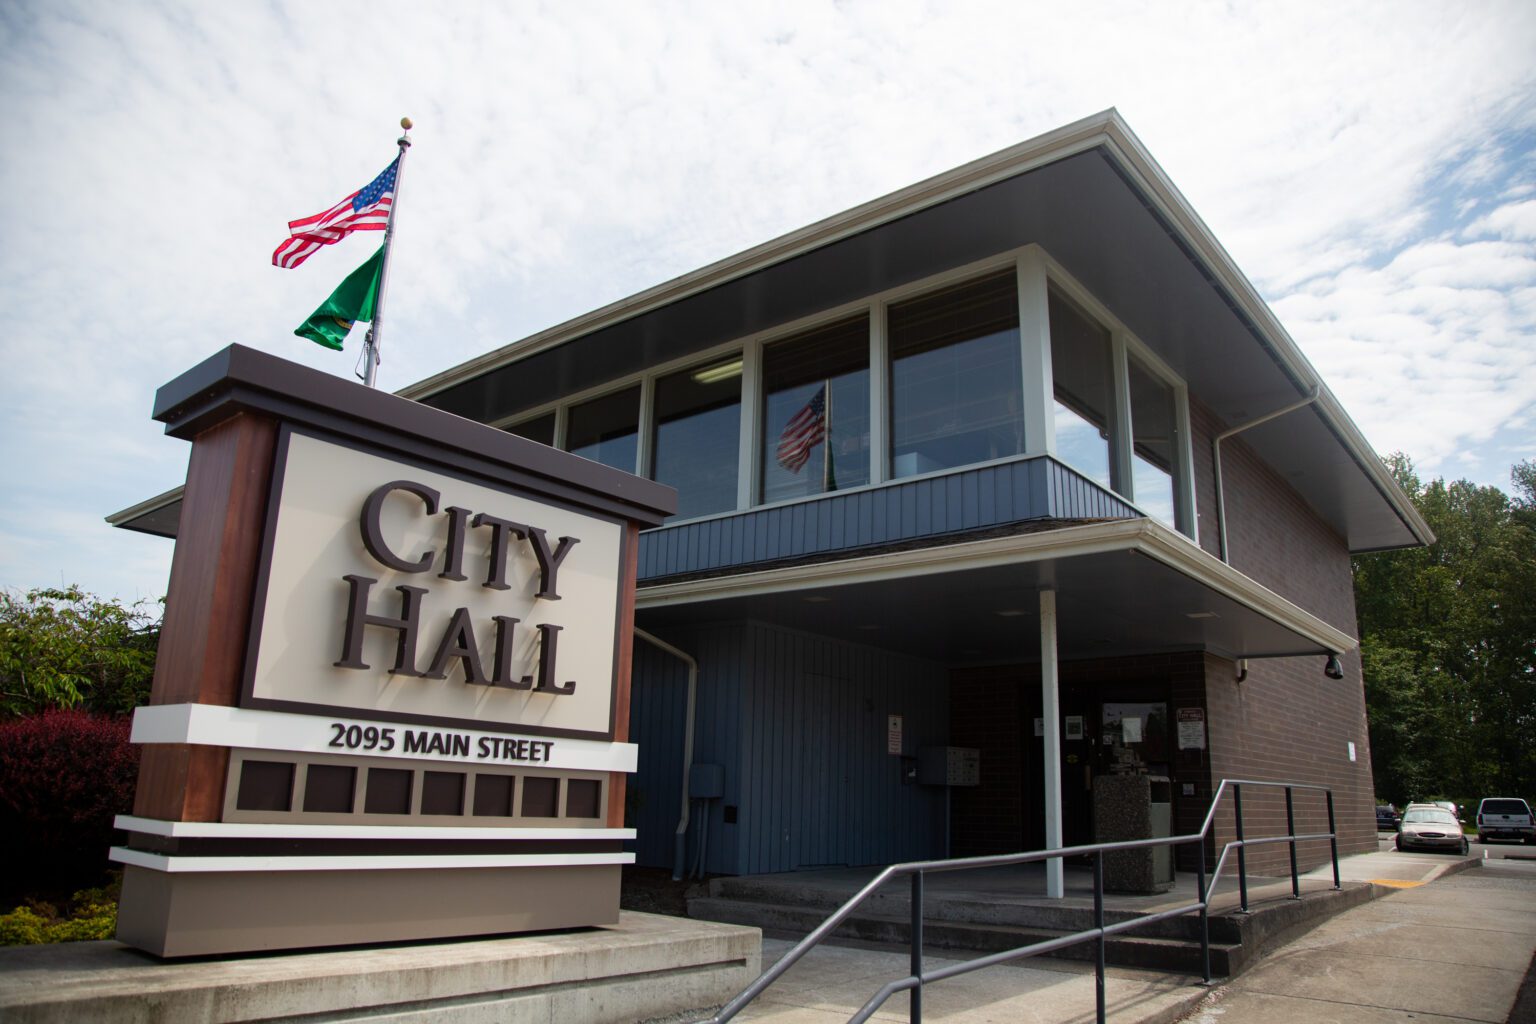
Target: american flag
804	431
367	209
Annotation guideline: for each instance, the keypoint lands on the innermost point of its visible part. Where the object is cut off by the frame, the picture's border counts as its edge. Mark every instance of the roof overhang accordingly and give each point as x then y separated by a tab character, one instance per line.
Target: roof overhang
1088	193
1127	587
160	515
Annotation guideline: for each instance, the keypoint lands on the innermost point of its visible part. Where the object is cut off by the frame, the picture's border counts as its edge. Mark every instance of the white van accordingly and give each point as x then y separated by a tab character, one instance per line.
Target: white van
1505	817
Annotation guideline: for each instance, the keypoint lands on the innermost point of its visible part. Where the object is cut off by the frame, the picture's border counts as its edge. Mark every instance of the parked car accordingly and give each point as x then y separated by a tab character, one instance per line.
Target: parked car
1505	817
1429	827
1386	818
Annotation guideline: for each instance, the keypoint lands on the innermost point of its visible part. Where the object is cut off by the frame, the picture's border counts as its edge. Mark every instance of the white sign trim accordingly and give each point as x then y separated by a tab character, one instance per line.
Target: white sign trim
217	726
288	830
388	862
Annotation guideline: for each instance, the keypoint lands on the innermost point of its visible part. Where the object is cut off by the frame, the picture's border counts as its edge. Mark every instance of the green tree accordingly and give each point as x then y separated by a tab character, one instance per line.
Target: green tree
1448	637
66	648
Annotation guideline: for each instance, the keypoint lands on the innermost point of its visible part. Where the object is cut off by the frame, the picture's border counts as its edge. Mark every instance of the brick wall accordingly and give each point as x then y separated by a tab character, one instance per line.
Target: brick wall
1286	720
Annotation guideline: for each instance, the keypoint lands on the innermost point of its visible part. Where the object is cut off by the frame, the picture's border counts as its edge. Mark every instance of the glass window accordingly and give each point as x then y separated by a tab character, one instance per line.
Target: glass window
606	429
1153	440
698	424
1136	734
1084	389
956	384
815	433
540	429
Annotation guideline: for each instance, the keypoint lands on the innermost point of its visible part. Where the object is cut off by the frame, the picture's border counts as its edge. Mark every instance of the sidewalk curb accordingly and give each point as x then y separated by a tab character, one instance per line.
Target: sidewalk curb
1445	870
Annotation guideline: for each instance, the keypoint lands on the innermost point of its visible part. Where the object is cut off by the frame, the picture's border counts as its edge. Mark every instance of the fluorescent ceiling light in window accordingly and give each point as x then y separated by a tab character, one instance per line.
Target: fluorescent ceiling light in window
1201	615
720	371
1011	613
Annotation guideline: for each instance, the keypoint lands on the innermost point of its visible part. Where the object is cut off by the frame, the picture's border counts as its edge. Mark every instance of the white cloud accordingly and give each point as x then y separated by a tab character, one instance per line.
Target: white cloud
568	155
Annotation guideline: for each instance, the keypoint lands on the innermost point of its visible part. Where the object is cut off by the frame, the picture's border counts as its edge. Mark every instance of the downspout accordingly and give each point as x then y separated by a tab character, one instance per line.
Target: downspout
680	840
1221	508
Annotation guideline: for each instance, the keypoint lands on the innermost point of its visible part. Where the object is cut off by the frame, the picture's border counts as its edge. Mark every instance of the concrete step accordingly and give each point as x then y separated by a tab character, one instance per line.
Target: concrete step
895	903
963	924
1147	951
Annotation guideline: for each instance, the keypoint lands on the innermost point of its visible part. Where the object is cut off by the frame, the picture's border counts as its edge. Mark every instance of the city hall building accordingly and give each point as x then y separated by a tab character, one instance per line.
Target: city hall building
986	489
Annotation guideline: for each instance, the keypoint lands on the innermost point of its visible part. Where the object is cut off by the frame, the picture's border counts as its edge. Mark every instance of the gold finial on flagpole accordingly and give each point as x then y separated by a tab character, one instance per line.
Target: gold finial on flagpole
405	123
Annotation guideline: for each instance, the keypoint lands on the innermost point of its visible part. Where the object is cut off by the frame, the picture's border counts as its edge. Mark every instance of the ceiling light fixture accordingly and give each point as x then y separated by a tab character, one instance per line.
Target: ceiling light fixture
717	373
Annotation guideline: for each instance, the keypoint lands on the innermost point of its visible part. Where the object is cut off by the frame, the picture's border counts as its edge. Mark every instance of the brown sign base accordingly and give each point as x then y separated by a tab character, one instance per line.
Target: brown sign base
179	914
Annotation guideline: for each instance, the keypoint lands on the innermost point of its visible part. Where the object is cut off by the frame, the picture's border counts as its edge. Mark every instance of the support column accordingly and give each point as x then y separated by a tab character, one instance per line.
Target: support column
1050	710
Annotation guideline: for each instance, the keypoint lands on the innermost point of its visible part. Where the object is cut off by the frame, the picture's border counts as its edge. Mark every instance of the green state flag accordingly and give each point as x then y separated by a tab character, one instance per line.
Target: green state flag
352	300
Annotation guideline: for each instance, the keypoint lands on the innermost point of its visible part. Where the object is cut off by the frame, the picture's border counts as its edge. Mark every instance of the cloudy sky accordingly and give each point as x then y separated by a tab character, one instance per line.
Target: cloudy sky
1371	167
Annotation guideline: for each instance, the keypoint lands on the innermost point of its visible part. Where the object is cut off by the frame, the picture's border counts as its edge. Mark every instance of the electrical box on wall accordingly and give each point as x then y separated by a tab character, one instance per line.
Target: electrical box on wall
949	766
706	781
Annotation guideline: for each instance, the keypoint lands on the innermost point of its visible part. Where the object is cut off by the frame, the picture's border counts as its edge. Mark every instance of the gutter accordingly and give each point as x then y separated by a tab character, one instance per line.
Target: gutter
1221	505
680	836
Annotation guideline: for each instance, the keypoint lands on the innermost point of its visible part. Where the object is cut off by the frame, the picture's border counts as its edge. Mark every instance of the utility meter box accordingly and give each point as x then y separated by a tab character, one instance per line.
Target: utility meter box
949	766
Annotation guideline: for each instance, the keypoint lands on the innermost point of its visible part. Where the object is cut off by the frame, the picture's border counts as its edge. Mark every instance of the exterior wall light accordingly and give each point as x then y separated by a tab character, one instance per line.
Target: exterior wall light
1332	669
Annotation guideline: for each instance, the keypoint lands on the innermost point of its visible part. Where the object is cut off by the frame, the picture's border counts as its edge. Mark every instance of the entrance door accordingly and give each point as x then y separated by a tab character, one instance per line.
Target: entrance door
1133	735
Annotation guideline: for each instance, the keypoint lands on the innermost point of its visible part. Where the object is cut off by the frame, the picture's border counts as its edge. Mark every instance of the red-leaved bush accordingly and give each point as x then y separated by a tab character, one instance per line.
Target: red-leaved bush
63	776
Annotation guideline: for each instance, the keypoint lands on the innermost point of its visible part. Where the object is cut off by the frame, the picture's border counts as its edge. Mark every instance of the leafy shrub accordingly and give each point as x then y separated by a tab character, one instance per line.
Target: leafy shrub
92	914
66	648
63	776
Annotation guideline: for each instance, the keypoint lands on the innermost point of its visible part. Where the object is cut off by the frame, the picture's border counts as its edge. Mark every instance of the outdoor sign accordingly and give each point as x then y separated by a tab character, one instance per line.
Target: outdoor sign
1191	727
391	698
411	595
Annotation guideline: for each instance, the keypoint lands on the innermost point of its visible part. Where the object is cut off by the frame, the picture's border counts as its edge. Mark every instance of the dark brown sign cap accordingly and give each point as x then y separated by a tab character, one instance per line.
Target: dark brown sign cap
239	379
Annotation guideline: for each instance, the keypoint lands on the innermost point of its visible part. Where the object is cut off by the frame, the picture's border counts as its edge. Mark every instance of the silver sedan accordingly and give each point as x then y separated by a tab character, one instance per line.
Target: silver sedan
1430	828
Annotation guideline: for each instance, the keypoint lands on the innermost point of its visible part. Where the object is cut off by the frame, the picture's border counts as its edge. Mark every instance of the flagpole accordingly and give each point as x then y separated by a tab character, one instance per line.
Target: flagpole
371	340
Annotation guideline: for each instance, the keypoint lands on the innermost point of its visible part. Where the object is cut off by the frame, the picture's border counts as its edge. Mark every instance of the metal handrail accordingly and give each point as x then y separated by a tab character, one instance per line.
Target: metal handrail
1100	932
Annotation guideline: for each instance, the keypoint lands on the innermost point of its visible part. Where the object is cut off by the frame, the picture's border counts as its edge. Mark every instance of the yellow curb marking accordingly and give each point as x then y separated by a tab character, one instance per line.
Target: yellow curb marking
1394	883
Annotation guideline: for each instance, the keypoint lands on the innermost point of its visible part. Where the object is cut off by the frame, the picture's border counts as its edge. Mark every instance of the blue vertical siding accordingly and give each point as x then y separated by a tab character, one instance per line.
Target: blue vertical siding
799	724
658	712
822	789
967	499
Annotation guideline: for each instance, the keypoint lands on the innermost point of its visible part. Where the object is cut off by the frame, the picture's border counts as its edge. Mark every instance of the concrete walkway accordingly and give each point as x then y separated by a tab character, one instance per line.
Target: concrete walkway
1456	950
832	982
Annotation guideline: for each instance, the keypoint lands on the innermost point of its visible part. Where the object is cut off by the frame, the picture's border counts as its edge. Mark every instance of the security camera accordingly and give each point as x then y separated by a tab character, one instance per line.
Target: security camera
1332	669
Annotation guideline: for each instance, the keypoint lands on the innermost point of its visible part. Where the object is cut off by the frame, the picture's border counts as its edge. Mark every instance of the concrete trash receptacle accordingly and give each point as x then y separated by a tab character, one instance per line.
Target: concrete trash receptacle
1134	807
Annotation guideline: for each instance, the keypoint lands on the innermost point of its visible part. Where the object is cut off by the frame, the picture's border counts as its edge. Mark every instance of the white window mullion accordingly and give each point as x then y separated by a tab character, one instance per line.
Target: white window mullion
645	456
562	423
1035	355
1185	509
1121	452
750	448
879	396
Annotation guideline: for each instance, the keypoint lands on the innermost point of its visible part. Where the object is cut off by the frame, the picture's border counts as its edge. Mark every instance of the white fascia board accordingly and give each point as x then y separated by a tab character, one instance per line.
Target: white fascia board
1043	149
147	506
174	864
218	726
1144	536
1139	164
289	830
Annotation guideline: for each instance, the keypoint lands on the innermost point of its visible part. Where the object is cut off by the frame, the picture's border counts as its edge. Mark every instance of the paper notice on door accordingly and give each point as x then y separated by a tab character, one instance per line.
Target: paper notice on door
1130	729
1191	728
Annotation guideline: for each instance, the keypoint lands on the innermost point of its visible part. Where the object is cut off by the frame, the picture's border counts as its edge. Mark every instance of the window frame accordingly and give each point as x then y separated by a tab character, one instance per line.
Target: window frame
1037	274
